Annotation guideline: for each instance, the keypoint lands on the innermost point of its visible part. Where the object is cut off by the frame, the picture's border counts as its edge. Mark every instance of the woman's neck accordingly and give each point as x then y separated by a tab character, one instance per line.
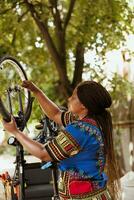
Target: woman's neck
82	115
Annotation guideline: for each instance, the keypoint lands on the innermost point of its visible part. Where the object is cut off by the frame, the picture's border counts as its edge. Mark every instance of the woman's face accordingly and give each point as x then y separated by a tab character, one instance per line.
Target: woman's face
75	106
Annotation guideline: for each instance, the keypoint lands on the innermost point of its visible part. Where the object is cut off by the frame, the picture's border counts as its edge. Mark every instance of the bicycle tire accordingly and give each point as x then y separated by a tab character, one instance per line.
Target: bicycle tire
11	75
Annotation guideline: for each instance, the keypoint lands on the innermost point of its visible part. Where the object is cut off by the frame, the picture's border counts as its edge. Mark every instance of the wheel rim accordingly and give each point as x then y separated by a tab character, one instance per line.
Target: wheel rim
11	76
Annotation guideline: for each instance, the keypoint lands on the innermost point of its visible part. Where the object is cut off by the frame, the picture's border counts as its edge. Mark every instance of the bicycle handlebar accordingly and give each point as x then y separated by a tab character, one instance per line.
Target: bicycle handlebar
5	114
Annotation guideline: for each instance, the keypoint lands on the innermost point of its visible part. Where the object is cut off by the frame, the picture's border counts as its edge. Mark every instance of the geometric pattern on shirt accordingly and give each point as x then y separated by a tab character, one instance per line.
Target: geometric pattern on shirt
96	132
67	118
62	146
64	193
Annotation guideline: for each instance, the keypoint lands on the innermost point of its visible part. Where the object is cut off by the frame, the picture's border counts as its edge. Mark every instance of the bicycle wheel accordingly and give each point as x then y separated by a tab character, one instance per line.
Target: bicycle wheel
16	99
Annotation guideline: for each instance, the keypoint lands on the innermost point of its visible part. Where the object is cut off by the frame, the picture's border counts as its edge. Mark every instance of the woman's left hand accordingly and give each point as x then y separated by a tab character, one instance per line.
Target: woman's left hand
11	126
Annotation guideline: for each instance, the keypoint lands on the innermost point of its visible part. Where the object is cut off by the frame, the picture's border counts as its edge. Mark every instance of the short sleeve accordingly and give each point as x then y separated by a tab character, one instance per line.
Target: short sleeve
67	118
62	146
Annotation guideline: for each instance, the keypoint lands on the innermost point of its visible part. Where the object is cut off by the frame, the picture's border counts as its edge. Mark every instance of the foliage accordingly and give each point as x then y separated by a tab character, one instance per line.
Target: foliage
50	37
122	91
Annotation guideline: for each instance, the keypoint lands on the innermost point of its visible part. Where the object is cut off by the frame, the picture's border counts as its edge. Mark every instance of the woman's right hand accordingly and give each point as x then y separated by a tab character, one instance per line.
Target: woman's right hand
11	126
30	86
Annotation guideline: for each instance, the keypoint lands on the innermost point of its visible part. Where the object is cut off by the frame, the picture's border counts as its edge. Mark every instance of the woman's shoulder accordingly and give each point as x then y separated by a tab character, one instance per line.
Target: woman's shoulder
86	121
88	126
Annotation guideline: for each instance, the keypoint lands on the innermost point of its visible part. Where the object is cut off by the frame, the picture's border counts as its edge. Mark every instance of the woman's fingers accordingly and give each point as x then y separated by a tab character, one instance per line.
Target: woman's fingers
30	86
26	84
10	126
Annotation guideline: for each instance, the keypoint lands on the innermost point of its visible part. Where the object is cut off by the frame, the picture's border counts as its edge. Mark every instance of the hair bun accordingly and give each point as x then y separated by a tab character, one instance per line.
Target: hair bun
94	96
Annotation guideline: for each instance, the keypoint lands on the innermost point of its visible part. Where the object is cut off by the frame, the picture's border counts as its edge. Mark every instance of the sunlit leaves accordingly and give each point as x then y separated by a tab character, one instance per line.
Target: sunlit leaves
99	25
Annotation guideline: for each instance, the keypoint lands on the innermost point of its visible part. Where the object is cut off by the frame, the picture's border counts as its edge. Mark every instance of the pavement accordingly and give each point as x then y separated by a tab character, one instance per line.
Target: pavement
7	164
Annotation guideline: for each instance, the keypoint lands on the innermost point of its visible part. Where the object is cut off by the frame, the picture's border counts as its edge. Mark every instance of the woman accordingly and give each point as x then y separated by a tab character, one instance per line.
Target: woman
85	145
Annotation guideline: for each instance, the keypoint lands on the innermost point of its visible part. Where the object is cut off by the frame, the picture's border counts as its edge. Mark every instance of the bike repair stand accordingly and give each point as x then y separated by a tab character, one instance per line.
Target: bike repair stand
55	184
48	133
19	177
19	173
22	117
53	166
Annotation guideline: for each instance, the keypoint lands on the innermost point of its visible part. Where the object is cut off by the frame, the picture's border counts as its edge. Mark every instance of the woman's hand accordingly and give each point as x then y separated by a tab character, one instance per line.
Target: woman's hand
11	126
30	86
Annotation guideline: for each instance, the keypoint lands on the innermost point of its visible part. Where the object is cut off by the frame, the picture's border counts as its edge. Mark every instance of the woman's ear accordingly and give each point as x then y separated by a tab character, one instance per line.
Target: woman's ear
84	108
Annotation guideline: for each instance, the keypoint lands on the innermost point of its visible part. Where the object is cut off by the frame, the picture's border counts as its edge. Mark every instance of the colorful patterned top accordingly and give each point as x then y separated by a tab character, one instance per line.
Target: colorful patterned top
79	151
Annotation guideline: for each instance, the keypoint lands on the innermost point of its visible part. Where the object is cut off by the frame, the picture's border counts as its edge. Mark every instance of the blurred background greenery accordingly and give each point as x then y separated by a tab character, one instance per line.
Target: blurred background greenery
62	42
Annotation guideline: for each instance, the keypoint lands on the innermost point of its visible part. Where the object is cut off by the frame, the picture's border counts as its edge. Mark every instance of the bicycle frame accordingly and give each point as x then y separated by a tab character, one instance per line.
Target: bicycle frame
21	119
18	180
49	131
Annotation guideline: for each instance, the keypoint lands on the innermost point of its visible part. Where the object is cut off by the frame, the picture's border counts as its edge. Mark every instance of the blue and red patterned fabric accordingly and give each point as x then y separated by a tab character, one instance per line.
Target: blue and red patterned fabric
79	151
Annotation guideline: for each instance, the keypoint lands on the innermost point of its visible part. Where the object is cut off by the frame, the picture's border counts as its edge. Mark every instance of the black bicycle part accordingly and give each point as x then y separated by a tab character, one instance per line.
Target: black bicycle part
49	129
11	76
17	99
53	132
5	114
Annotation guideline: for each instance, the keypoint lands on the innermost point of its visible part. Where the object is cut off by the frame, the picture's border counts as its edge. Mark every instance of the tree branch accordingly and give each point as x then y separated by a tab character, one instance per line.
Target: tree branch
14	38
7	10
56	14
44	30
79	62
58	59
60	34
70	10
11	8
21	17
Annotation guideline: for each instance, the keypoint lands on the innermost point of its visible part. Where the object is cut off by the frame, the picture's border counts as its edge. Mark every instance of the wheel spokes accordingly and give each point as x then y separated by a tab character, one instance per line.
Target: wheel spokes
15	97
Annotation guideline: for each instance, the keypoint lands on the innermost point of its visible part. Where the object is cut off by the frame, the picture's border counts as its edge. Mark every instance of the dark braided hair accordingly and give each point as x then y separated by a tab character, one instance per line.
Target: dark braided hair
97	99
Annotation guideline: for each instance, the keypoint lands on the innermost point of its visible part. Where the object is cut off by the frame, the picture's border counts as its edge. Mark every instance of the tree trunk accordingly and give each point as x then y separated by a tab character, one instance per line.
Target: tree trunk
79	62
